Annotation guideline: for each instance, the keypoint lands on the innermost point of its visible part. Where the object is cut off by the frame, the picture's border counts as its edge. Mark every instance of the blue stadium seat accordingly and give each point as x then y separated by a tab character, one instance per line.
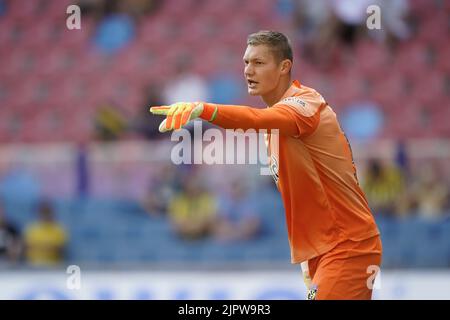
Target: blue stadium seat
118	231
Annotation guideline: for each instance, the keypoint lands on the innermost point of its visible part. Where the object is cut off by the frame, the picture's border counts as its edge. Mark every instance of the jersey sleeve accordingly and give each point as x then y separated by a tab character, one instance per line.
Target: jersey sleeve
305	110
243	117
293	116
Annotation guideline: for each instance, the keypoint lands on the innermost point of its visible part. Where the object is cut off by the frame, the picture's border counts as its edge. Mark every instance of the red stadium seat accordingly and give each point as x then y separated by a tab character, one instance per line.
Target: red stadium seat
178	9
429	88
406	121
22	10
412	58
48	71
41	34
371	58
349	87
90	62
440	119
434	29
420	7
9	31
442	57
80	126
263	12
10	124
390	90
19	63
219	11
75	39
58	62
57	11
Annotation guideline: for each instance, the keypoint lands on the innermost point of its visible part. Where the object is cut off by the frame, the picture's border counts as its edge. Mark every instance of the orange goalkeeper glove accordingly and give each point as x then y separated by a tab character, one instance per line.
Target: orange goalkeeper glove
180	113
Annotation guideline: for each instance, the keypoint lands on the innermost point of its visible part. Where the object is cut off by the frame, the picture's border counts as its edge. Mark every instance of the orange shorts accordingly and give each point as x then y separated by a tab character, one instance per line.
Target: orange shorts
347	271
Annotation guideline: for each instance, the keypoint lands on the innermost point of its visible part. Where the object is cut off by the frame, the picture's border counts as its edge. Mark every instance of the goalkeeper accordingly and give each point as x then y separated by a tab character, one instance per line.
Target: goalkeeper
331	230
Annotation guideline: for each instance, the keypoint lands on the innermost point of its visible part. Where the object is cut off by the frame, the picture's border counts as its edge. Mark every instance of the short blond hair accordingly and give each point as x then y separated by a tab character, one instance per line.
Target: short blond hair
276	41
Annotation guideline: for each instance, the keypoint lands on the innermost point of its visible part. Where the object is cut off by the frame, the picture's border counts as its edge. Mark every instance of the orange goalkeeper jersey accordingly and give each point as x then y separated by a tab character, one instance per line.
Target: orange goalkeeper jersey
312	164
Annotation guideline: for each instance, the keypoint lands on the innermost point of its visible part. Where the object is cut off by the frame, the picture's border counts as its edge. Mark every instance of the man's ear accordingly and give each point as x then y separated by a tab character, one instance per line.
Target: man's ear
286	66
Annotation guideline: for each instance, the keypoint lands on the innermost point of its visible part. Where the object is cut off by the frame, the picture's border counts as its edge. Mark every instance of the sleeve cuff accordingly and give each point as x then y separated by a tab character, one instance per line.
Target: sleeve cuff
209	112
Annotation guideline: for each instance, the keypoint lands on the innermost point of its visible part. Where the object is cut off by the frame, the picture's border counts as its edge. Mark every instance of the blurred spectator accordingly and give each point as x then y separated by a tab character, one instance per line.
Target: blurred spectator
10	240
309	16
82	171
140	8
430	195
394	15
144	123
185	85
110	124
284	8
2	7
316	28
115	30
192	211
45	239
225	88
351	19
382	185
401	158
327	28
223	85
94	8
162	189
333	26
362	121
19	184
237	216
135	8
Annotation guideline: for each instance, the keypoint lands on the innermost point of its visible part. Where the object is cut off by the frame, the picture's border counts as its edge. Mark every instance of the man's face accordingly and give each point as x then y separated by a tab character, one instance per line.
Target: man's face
262	71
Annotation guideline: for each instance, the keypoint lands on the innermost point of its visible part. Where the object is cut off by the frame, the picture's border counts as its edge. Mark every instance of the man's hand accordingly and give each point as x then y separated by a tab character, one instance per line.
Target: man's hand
179	114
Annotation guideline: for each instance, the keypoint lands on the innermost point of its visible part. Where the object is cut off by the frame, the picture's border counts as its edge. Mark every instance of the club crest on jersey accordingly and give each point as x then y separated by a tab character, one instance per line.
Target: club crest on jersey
312	292
274	168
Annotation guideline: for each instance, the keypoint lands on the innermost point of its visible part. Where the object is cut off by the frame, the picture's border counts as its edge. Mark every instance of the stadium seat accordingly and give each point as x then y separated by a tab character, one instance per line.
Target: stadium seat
21	10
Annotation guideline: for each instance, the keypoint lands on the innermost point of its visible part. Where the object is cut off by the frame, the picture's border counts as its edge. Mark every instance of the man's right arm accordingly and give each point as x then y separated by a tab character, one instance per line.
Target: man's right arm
292	117
243	117
284	116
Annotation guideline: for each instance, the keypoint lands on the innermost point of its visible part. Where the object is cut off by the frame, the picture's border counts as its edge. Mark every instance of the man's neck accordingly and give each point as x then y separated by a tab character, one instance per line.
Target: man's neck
274	96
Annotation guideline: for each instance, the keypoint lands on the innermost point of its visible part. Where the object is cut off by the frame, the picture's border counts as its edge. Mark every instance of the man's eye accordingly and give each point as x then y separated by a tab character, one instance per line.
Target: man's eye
259	62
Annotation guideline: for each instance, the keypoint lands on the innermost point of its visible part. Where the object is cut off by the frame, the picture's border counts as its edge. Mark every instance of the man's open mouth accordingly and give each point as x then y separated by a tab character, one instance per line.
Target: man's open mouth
251	83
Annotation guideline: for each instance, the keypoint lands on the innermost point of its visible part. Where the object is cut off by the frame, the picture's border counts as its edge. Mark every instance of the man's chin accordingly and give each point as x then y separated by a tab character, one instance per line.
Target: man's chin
253	92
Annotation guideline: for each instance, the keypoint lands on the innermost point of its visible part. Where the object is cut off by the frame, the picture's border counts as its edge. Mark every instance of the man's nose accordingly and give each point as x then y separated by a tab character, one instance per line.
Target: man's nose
248	71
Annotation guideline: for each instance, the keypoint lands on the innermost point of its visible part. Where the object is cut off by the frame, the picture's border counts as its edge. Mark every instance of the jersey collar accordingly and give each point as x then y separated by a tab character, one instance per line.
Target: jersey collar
292	89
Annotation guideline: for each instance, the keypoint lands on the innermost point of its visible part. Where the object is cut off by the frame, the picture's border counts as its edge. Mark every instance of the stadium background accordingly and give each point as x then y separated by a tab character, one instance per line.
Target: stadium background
76	139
